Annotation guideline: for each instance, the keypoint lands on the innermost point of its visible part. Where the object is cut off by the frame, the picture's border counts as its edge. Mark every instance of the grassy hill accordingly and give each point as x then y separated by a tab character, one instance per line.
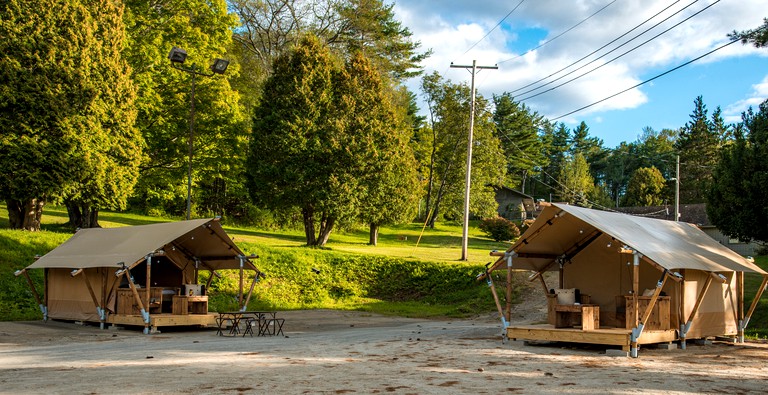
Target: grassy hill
409	273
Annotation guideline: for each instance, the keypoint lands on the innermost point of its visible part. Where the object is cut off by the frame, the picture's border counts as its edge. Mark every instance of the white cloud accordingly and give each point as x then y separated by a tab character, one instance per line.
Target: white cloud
732	112
451	28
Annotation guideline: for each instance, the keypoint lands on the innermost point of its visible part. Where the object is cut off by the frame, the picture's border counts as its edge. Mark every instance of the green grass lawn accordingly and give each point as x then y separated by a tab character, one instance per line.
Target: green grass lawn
412	271
443	243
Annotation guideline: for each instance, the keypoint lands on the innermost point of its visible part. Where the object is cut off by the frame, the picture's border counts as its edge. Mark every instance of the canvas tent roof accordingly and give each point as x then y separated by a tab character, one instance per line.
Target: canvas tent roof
672	245
203	239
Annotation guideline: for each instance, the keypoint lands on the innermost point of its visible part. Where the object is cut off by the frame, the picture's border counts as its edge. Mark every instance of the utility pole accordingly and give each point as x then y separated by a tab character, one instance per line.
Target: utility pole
677	189
474	68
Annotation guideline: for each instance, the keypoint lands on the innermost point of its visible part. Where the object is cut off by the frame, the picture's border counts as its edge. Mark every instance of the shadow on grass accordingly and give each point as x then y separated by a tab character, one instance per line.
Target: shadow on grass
276	236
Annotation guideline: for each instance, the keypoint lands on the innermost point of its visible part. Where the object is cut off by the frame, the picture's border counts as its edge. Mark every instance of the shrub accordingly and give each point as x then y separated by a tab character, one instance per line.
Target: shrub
499	229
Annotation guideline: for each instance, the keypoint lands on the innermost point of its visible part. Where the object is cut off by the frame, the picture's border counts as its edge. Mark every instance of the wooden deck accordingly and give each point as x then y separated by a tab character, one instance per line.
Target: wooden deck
162	320
607	336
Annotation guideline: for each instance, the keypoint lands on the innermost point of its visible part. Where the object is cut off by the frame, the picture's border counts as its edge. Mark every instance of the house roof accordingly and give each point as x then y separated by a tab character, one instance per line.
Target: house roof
514	191
691	213
563	231
203	240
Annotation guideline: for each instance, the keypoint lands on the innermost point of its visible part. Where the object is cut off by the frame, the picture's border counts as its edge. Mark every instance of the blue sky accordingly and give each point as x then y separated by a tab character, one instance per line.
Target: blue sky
732	78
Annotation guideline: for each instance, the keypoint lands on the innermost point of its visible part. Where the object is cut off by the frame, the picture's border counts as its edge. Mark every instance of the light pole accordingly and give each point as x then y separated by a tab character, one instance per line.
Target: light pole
219	66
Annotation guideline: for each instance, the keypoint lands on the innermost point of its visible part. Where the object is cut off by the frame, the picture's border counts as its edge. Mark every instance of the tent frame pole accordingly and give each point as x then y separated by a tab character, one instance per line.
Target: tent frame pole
508	296
43	307
149	278
240	294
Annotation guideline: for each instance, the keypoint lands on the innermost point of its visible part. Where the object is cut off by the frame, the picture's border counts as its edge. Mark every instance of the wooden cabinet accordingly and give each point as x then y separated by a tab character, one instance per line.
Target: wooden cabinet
126	302
660	314
183	305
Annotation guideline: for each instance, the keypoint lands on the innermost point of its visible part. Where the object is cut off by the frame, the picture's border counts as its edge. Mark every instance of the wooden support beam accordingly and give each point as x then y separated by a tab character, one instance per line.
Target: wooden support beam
654	298
700	299
31	285
135	291
544	284
495	295
757	298
250	291
541	271
90	289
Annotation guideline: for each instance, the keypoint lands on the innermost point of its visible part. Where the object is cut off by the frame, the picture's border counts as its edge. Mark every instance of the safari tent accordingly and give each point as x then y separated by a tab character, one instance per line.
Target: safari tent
143	275
626	280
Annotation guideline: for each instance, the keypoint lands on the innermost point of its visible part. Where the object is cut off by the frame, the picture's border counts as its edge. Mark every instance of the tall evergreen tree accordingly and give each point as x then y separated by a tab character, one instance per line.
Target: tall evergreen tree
293	160
556	148
378	138
517	127
737	200
697	146
66	109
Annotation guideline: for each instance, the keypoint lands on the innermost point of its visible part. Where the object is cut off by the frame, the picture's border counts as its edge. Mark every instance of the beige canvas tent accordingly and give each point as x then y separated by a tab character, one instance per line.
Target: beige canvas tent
139	275
627	280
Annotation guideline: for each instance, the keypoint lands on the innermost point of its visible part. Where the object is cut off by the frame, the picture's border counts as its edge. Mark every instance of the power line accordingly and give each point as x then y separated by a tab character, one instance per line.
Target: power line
494	28
647	81
559	35
611	51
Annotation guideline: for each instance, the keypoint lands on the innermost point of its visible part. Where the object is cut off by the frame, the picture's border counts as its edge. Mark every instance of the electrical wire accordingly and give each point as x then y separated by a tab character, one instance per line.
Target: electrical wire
646	81
559	35
607	44
494	28
613	59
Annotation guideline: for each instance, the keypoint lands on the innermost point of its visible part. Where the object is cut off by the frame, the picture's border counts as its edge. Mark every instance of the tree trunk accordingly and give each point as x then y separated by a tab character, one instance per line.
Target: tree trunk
25	214
308	213
82	215
326	225
373	234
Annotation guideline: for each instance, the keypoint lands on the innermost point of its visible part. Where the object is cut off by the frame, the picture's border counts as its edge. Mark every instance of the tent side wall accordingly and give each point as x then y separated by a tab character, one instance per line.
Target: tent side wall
604	275
717	315
68	297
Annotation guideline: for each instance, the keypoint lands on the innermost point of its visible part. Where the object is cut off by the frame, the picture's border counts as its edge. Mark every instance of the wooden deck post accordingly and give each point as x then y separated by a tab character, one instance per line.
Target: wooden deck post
740	304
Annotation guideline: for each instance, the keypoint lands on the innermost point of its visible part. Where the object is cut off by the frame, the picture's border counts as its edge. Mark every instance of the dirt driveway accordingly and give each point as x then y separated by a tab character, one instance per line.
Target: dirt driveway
349	352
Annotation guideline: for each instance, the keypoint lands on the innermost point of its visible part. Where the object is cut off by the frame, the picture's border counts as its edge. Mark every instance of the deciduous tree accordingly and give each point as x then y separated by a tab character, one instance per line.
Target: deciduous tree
645	188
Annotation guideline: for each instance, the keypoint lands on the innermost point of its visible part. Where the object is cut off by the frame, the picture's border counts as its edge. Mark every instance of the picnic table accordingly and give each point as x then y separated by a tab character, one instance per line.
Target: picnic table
264	322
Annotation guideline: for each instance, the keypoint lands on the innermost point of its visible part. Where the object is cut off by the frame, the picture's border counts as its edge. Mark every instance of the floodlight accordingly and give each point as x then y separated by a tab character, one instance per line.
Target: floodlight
177	55
219	66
